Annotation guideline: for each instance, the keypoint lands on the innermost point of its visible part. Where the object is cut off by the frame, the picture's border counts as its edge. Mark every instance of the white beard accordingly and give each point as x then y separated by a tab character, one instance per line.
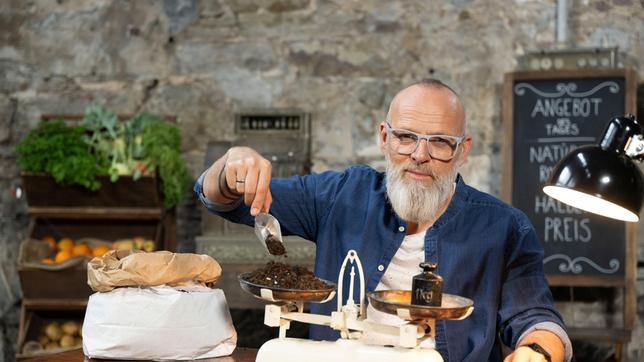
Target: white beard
416	201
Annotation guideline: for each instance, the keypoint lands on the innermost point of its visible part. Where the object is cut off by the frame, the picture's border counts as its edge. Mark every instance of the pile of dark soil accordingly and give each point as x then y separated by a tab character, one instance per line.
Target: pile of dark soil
275	246
280	275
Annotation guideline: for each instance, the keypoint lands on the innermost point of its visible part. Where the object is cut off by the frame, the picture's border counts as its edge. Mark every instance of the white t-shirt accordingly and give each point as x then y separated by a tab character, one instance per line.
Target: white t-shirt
403	267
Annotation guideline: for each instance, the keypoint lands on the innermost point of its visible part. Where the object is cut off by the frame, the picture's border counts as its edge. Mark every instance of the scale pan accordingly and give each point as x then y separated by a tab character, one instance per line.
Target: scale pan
272	294
398	302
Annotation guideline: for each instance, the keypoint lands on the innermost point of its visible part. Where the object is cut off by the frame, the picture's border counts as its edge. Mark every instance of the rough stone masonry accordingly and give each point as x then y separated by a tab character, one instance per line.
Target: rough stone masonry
341	60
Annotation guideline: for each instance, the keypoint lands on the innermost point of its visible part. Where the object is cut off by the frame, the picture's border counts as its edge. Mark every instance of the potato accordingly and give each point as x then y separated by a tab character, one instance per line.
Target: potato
123	244
43	340
53	331
67	341
52	345
70	327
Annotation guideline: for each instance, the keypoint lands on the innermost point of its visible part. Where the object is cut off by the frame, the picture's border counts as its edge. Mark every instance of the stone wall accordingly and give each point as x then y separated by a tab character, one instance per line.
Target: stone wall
340	60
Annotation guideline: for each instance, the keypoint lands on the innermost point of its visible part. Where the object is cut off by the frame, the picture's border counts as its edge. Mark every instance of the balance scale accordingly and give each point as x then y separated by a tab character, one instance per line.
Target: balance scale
287	305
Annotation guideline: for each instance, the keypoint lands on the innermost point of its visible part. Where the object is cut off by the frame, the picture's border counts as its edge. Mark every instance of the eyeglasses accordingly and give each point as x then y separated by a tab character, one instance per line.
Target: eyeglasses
441	147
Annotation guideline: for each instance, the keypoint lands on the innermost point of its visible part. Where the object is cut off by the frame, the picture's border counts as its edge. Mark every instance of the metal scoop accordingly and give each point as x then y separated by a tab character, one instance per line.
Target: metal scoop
268	231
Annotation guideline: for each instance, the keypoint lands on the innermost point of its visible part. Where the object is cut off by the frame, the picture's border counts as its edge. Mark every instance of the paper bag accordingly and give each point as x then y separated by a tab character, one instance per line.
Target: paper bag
134	268
158	323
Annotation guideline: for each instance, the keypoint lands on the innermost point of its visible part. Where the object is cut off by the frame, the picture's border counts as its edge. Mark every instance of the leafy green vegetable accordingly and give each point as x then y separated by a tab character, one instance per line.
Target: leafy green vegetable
108	135
162	145
59	150
103	144
140	145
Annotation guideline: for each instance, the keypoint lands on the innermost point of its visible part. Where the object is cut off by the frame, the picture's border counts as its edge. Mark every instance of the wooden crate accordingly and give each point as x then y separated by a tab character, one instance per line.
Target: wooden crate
104	229
71	283
68	283
43	191
35	314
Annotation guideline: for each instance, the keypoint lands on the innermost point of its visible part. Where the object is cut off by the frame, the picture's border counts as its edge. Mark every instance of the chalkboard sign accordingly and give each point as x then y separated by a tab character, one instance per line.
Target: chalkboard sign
546	115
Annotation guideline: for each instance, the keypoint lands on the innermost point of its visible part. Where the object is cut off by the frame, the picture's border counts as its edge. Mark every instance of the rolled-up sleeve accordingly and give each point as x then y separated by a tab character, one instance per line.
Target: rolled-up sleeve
556	329
526	301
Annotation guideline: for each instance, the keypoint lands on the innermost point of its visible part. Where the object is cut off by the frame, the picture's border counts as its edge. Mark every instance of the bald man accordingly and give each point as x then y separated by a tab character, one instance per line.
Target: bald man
419	210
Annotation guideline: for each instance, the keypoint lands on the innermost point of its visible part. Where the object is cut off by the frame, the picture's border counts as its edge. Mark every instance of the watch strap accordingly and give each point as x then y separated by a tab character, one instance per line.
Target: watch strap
537	348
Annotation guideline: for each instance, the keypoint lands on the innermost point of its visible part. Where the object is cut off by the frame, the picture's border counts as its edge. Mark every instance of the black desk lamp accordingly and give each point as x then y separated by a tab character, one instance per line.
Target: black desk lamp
603	179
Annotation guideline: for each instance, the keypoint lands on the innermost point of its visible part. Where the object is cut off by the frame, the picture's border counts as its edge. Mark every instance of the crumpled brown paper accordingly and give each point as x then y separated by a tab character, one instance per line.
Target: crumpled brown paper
126	268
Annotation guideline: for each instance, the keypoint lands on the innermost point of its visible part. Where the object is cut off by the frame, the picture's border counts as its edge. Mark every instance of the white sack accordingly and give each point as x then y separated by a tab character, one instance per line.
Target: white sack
158	323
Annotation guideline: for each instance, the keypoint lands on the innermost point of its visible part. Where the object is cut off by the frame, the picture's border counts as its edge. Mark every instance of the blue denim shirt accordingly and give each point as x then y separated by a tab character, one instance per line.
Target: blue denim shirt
486	250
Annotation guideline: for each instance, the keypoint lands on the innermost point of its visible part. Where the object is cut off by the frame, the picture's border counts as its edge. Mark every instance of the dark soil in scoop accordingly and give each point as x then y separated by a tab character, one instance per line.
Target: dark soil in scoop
275	246
280	275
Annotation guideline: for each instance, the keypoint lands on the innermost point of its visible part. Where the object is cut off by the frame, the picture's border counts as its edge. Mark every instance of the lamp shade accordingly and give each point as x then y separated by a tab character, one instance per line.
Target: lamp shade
600	181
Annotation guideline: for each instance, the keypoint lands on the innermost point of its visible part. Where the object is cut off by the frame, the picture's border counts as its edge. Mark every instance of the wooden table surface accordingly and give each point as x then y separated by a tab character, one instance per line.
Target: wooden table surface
239	355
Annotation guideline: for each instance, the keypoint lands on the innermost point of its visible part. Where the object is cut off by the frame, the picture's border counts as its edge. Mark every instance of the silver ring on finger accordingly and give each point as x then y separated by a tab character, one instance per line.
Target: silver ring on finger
239	186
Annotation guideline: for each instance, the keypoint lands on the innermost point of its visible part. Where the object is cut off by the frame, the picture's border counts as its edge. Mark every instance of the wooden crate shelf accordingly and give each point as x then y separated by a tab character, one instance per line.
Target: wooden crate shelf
137	213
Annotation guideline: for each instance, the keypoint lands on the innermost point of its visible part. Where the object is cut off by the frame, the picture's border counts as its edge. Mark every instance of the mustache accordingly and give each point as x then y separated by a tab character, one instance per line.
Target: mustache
419	168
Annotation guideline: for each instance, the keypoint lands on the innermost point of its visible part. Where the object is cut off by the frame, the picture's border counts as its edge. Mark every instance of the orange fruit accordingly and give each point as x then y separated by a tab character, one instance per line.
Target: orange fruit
81	249
100	250
65	244
62	256
50	240
47	261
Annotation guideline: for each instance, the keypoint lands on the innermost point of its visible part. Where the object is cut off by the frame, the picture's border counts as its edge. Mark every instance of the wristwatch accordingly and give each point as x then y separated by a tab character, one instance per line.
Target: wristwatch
537	348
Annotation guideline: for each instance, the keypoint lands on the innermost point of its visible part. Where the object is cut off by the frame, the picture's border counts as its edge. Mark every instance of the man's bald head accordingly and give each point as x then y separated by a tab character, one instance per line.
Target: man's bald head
430	91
